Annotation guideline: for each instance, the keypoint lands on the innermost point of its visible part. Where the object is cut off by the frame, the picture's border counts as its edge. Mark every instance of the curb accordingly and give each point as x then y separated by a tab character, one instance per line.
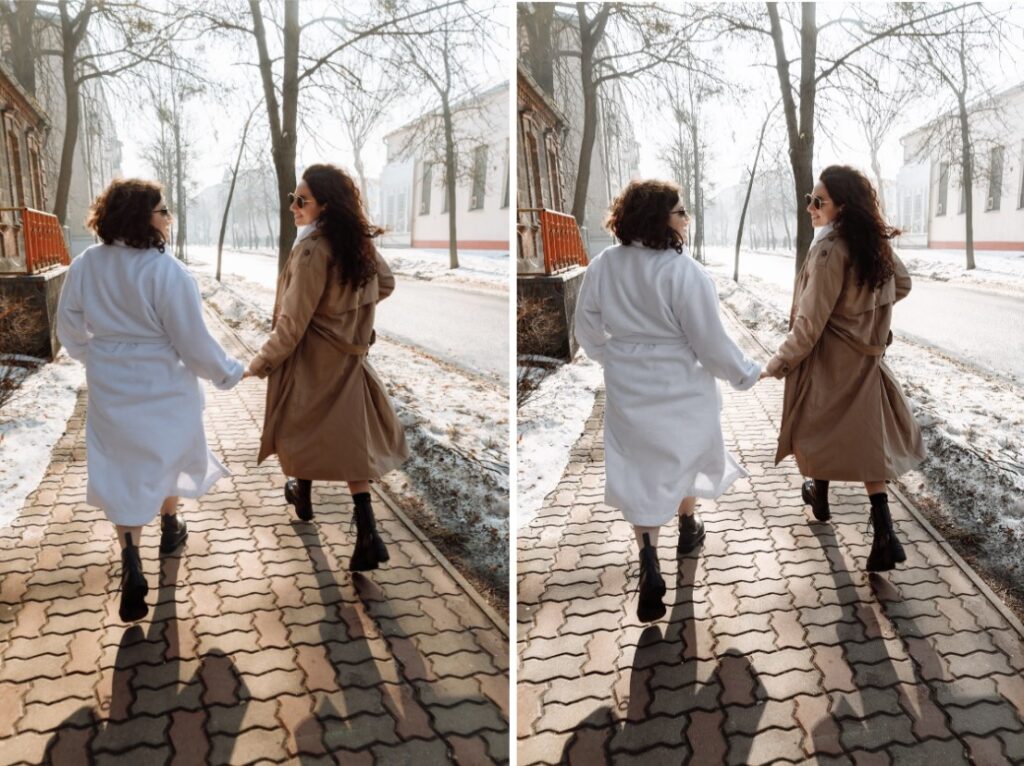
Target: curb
444	563
897	490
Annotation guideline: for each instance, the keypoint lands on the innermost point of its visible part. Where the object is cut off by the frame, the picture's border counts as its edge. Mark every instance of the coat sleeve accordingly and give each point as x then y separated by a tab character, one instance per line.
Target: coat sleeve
588	324
299	302
902	277
385	279
695	306
814	306
180	309
72	330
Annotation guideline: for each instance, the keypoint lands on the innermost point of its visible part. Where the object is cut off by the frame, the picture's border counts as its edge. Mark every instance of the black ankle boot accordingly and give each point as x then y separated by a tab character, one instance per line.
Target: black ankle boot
691	533
369	551
133	584
649	605
886	551
299	492
172	533
815	494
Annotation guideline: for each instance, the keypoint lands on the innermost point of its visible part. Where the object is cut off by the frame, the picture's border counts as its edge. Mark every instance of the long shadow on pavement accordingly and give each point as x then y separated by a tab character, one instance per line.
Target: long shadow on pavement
150	664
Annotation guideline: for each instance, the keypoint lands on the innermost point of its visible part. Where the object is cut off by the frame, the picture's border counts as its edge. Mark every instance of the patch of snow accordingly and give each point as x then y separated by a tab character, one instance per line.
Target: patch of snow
30	425
455	423
549	423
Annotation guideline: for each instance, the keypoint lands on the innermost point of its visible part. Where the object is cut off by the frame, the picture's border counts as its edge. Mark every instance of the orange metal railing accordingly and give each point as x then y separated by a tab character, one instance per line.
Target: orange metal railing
42	239
560	240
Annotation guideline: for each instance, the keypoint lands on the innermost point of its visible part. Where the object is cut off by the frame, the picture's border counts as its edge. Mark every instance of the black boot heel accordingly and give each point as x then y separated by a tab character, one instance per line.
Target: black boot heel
298	492
133	584
815	494
173	533
886	550
369	551
650	605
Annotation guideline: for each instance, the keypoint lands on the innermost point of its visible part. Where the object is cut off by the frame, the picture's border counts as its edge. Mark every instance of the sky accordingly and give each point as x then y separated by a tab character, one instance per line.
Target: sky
215	119
735	121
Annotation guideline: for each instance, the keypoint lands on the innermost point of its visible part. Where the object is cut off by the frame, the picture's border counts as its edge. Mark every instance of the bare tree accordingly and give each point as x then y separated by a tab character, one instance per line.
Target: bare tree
231	187
646	38
284	77
946	55
442	64
750	187
104	40
861	29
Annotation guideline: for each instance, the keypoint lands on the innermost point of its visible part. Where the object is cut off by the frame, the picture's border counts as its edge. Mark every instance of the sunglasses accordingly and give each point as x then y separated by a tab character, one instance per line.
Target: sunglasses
818	202
298	200
164	212
681	212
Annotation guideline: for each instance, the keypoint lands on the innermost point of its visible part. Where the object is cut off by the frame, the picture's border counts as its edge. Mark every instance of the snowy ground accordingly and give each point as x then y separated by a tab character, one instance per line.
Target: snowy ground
973	422
30	424
456	425
548	425
480	269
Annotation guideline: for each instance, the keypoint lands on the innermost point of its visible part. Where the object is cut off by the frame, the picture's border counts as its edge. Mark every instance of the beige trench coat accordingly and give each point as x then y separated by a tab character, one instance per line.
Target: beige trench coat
844	416
328	416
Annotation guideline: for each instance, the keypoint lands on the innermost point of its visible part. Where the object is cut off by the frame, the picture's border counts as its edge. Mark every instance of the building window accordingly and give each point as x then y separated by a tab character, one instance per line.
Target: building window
508	174
1020	195
943	188
995	178
425	191
476	198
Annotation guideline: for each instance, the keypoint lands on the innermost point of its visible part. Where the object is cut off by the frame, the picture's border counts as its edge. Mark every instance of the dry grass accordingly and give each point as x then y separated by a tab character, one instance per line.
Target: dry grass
537	334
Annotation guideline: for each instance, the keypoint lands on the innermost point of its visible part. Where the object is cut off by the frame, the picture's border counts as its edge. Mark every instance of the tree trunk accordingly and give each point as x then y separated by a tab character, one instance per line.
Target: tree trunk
179	177
357	150
72	108
231	191
800	131
282	125
698	200
588	46
876	168
451	173
968	180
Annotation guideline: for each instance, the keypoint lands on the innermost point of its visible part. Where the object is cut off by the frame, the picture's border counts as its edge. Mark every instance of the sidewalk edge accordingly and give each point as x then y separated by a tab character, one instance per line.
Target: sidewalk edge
966	568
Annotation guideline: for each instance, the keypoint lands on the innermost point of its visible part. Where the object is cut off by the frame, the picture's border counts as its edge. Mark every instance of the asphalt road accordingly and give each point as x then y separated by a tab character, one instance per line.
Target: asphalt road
980	327
469	328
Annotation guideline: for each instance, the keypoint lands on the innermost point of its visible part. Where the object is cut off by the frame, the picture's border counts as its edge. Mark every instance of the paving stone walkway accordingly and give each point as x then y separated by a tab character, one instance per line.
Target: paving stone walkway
261	647
777	647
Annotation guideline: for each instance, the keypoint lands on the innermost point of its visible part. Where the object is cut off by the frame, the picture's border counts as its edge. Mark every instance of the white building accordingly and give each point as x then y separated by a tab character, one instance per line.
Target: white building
930	194
412	200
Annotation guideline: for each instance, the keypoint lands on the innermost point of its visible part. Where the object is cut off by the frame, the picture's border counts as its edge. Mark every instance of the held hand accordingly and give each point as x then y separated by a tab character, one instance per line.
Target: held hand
247	374
764	374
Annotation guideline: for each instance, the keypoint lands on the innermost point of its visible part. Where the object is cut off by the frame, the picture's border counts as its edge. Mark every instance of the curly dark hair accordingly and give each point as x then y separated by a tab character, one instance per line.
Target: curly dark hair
343	221
860	222
123	211
640	214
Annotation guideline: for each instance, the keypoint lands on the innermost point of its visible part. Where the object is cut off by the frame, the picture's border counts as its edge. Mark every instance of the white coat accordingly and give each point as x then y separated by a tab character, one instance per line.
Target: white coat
651	319
135	318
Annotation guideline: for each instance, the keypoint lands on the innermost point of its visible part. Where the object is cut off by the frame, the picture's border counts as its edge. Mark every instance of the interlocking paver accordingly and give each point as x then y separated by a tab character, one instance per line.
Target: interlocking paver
776	642
260	646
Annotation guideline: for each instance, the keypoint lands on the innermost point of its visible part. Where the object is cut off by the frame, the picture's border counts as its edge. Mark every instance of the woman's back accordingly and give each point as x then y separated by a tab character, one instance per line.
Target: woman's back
125	291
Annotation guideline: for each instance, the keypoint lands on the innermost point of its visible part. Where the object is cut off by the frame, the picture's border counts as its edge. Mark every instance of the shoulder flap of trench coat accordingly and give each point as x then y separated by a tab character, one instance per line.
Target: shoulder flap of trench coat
856	298
338	298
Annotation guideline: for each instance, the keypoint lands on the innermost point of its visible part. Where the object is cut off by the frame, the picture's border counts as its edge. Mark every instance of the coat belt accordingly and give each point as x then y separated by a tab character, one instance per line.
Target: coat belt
855	344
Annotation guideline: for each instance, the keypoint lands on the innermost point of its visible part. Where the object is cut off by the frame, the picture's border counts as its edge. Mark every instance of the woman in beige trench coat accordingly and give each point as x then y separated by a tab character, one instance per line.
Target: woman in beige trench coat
328	416
844	416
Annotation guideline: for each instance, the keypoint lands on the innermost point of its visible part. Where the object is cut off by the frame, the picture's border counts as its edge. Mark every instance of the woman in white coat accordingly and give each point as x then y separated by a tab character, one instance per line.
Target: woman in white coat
649	314
133	314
